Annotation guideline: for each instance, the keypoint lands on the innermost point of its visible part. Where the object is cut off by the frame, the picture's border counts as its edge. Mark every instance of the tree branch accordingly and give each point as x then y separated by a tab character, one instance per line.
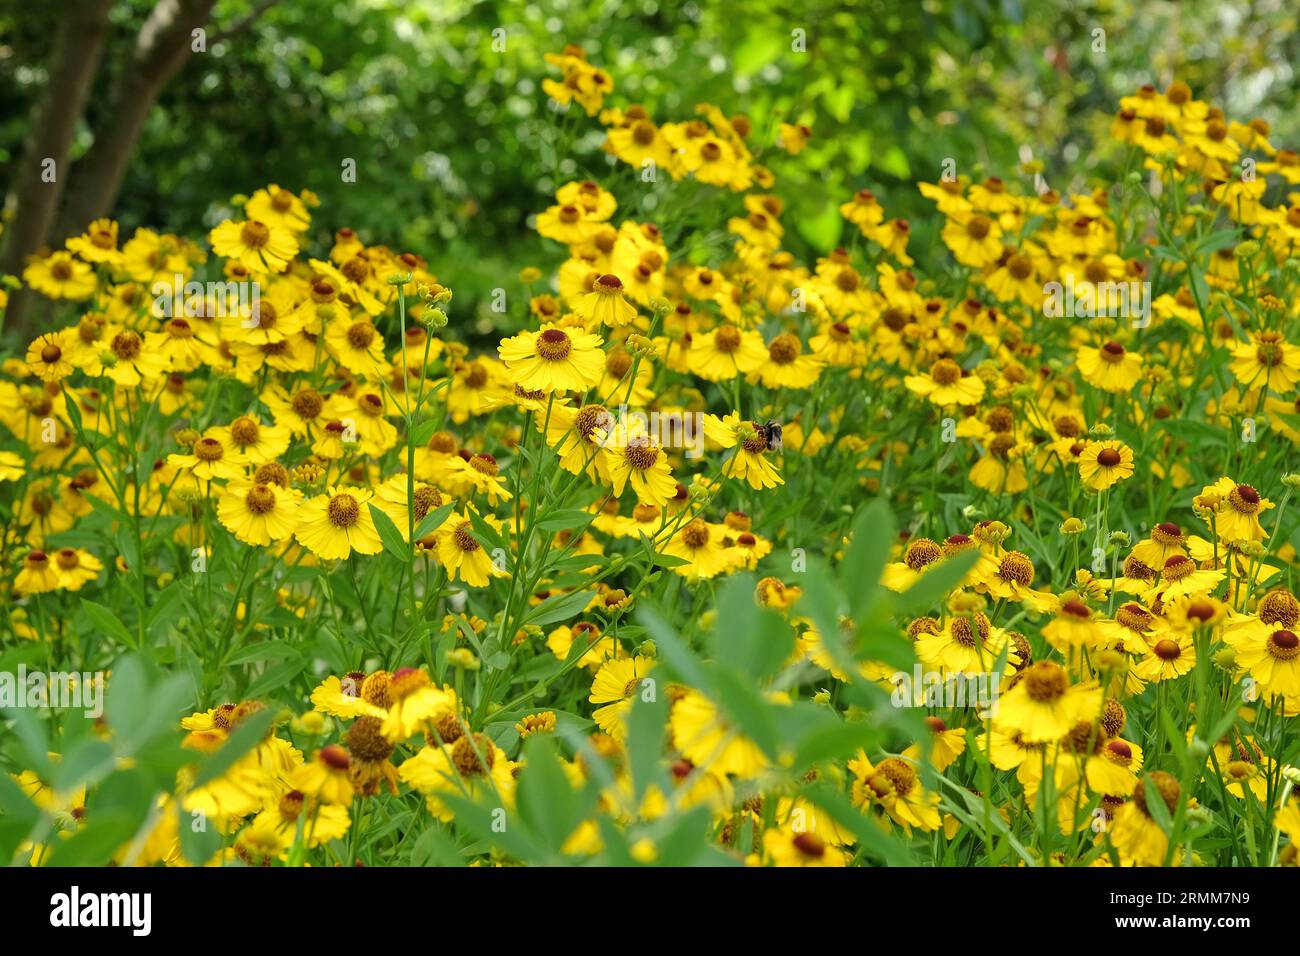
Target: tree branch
243	22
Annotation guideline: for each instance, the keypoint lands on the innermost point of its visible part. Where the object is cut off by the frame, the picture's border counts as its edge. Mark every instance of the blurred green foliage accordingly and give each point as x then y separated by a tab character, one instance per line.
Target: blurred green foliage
456	145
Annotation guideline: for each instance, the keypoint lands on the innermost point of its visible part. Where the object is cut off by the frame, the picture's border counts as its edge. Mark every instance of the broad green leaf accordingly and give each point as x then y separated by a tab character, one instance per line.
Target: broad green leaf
106	622
559	607
394	544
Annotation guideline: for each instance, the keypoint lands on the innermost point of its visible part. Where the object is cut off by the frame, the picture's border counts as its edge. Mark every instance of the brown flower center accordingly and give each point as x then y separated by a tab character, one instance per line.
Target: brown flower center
784	349
126	345
254	234
344	511
361	335
554	345
1284	645
245	431
308	403
1045	682
464	537
208	449
696	534
1167	650
945	372
640	453
260	499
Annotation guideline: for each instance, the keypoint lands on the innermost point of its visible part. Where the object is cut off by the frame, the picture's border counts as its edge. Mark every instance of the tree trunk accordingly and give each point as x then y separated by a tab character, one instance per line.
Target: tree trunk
163	45
73	64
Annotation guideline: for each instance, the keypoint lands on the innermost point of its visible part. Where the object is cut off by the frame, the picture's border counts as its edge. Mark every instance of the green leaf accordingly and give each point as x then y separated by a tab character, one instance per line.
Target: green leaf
107	622
394	544
246	736
95	843
435	848
273	678
433	520
870	834
753	640
672	650
487	535
422	432
17	817
563	519
264	651
560	607
199	837
929	590
546	802
837	740
646	723
864	563
756	717
87	762
687	841
825	606
661	560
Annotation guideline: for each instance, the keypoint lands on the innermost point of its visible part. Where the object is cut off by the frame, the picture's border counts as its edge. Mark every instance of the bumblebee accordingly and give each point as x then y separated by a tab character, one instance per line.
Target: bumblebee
771	433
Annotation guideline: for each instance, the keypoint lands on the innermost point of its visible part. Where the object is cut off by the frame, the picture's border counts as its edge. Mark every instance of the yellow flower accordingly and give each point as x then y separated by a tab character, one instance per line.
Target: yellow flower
415	702
325	778
357	346
894	786
479	475
98	243
569	224
1043	705
708	739
1267	361
614	686
470	765
793	138
47	357
76	567
975	242
726	352
38	574
1171	656
210	458
639	141
1236	518
12	466
336	524
461	554
1104	463
787	366
698	544
278	207
554	359
783	846
746	462
635	458
258	246
1137	836
605	304
126	361
947	383
1272	657
1110	368
258	513
60	276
